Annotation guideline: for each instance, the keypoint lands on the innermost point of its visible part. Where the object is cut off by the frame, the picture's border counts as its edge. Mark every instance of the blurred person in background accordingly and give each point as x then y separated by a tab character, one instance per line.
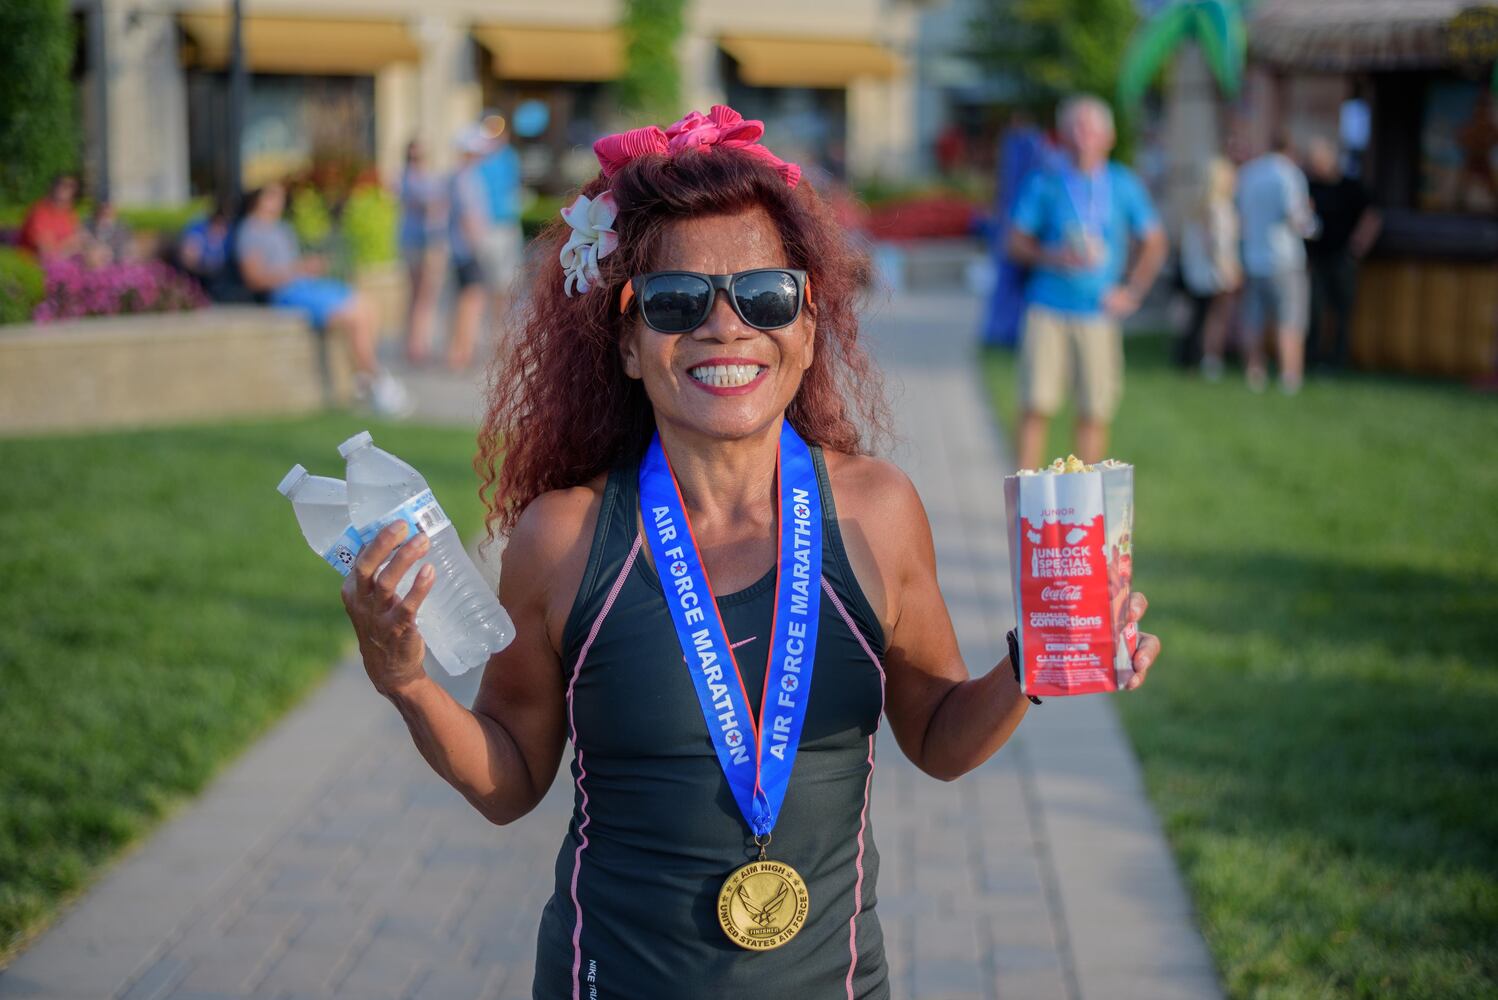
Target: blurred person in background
109	239
271	264
51	227
503	246
1274	209
1348	227
468	222
203	252
1022	149
1073	226
1210	268
423	205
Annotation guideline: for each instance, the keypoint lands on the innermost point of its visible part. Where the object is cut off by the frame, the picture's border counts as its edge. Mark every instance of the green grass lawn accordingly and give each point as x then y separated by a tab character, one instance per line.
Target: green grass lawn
161	611
1321	737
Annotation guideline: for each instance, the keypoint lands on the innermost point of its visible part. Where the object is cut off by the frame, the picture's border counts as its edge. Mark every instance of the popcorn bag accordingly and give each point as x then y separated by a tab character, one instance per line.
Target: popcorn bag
1070	528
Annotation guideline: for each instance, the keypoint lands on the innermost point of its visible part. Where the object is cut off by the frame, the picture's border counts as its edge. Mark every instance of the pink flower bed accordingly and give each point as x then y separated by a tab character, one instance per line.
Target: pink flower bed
75	290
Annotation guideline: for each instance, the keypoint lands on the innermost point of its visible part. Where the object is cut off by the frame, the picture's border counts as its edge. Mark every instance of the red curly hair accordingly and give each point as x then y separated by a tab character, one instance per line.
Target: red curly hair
560	409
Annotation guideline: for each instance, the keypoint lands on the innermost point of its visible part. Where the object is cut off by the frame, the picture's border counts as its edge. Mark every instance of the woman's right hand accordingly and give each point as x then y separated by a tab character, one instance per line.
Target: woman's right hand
385	623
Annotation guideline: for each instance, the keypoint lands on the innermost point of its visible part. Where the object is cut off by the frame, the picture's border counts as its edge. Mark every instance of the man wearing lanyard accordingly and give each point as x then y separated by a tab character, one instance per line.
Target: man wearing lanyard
1073	226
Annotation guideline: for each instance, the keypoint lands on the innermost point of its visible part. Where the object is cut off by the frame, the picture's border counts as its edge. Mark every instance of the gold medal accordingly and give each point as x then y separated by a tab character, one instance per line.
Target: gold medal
763	905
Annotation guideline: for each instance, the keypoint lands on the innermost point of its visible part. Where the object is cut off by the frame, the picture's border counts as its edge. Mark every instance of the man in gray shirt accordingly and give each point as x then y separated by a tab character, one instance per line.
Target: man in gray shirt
1274	210
272	265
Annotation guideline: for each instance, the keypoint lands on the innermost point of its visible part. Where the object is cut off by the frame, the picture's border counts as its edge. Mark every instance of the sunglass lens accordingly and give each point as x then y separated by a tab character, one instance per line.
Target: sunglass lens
767	299
676	303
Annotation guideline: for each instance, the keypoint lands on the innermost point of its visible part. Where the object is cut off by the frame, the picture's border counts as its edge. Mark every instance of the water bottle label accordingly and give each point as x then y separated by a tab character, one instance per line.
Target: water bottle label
422	512
341	555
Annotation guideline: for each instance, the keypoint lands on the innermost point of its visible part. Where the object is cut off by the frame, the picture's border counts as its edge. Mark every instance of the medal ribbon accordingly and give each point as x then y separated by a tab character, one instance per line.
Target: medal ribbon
756	758
1099	198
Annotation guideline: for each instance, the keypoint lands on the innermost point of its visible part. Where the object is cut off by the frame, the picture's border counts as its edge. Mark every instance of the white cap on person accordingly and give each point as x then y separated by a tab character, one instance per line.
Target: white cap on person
473	139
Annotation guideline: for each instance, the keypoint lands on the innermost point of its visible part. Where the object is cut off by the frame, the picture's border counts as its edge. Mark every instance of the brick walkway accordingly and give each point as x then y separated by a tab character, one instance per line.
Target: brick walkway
330	862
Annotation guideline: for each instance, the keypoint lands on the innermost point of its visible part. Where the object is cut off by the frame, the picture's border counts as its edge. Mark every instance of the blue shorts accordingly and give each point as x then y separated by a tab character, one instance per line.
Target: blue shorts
320	298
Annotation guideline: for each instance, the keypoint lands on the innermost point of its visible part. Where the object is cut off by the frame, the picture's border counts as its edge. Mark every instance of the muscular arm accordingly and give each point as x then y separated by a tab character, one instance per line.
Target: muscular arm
502	755
1024	249
1153	246
945	721
1370	224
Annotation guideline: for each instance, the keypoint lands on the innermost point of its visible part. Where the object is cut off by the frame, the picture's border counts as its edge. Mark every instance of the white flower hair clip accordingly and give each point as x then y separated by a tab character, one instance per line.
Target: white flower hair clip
593	238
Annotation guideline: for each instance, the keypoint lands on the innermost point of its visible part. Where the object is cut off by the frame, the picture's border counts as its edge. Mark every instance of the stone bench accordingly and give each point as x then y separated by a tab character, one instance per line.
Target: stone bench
134	371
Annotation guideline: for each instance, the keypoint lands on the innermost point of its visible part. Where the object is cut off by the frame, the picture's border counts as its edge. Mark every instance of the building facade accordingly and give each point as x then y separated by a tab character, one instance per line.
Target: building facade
355	80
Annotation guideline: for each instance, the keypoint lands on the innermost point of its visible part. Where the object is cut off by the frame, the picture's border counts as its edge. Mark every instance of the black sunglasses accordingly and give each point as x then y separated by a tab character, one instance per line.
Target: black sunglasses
766	298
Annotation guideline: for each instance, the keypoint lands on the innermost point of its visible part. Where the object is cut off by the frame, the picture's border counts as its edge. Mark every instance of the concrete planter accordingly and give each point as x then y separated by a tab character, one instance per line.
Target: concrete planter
132	371
385	286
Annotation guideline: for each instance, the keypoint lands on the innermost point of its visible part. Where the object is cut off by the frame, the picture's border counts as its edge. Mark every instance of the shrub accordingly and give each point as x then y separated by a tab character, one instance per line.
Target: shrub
371	217
310	217
165	221
37	129
538	212
929	217
22	285
75	290
650	88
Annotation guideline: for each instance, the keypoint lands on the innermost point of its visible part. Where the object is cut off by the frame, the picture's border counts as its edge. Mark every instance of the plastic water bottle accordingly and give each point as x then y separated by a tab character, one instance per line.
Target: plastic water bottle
461	619
321	507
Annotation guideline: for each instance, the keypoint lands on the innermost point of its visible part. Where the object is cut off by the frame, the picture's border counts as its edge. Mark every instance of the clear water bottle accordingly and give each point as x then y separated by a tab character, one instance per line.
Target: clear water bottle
461	619
321	507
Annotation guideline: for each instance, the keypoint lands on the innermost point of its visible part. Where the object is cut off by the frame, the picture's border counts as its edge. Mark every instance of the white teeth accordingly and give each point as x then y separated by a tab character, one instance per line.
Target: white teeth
725	376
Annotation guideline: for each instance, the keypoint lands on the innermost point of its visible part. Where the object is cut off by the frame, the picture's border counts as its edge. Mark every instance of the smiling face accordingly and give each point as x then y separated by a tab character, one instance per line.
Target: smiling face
724	380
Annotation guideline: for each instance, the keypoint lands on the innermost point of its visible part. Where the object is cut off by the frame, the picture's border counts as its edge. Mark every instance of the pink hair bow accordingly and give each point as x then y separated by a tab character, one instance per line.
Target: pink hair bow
721	126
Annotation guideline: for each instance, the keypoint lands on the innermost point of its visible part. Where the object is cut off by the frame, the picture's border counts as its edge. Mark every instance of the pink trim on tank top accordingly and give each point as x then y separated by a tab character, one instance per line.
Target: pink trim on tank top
582	772
863	816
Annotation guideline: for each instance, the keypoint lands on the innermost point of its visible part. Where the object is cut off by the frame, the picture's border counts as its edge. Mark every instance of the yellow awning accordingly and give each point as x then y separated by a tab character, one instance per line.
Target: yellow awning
583	54
808	62
302	44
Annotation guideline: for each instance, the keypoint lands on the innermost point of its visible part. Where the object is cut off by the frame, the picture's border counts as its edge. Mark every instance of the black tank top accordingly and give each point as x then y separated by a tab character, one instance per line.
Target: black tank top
655	829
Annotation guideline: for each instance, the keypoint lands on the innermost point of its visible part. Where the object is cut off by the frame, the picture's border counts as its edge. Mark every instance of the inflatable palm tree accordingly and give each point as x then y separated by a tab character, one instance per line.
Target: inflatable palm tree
1216	26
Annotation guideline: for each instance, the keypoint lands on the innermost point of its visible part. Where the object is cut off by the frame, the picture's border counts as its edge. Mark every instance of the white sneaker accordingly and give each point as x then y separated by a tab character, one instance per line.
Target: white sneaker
1212	369
389	398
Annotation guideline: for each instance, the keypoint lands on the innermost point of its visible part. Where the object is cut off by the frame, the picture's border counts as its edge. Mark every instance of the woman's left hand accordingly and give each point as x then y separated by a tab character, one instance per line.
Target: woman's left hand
1148	649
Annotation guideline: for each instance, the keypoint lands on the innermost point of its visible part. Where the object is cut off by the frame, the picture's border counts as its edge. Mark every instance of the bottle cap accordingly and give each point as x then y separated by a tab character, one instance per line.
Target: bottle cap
292	478
354	443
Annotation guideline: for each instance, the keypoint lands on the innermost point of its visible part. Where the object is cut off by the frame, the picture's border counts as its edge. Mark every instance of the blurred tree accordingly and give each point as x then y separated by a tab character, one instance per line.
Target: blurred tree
650	89
1216	26
1048	49
37	130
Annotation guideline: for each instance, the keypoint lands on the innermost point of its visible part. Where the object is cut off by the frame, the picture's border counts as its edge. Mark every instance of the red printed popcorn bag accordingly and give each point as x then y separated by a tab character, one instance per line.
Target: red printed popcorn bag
1070	529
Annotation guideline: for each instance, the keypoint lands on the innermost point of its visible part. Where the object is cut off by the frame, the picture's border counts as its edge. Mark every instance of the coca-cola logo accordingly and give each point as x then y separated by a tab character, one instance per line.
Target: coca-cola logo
1062	592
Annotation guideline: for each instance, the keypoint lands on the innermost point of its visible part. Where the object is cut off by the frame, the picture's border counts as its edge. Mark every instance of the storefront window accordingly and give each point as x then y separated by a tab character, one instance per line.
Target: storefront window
1458	169
559	156
810	124
294	125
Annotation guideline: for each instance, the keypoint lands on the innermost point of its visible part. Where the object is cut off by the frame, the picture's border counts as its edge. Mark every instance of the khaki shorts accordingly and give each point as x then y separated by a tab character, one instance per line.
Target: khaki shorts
1061	350
500	256
1283	299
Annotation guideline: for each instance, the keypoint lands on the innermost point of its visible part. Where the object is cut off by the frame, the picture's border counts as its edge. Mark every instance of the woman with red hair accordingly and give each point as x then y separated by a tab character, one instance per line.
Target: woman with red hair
711	580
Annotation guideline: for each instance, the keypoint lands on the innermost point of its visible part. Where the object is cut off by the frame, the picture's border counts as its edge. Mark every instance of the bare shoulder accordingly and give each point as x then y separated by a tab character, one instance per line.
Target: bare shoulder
551	524
547	552
883	526
867	486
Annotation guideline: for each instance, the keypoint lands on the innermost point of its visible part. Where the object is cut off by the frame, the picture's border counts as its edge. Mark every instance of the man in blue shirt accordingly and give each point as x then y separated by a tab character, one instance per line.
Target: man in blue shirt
1074	226
501	250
